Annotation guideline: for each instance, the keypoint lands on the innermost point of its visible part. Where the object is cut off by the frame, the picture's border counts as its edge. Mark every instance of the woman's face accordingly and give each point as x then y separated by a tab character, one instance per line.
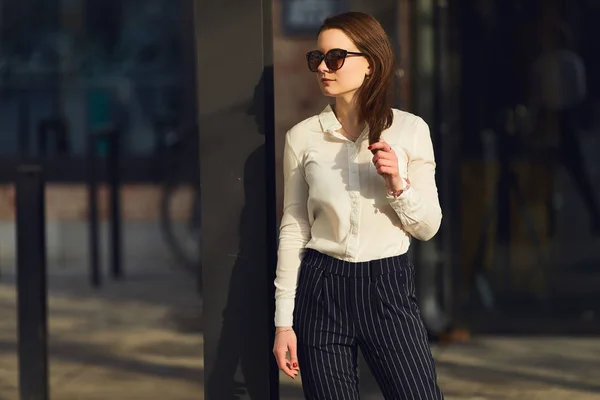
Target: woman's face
345	81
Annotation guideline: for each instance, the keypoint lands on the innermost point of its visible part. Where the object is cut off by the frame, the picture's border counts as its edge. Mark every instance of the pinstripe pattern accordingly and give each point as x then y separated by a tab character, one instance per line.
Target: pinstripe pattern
343	306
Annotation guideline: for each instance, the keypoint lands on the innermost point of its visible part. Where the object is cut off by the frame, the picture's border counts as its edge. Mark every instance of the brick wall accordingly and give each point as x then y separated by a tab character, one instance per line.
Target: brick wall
69	202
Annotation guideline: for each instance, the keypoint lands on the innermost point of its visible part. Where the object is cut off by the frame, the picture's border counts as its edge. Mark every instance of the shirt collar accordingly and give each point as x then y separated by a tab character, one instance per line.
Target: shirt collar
329	121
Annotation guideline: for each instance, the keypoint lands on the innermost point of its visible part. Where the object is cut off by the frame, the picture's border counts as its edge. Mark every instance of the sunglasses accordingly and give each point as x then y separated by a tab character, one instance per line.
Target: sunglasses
334	58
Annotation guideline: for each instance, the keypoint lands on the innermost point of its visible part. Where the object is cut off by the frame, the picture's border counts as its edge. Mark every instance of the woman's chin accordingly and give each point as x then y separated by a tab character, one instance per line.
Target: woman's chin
328	92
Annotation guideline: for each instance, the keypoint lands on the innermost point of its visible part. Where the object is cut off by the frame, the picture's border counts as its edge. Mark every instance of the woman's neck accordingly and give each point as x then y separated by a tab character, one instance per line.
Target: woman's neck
347	113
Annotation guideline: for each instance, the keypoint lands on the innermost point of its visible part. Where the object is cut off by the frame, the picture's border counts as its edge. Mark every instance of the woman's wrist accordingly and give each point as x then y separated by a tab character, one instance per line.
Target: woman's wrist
398	188
396	184
280	329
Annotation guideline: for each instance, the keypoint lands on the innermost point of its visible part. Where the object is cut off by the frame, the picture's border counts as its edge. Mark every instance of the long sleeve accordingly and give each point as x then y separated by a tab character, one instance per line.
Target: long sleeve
293	236
419	207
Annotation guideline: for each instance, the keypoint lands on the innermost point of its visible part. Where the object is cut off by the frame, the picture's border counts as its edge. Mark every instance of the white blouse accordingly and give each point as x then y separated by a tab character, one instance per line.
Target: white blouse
337	204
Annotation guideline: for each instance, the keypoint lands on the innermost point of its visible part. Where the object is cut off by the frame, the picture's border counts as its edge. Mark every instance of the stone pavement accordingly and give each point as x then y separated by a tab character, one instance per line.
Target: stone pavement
140	339
545	368
515	368
137	339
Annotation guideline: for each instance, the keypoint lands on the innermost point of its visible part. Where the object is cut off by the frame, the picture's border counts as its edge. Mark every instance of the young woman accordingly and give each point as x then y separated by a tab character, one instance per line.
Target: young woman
359	183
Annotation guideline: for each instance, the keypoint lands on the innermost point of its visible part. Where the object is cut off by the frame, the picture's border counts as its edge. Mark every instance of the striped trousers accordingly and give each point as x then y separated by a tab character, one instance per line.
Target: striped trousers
342	307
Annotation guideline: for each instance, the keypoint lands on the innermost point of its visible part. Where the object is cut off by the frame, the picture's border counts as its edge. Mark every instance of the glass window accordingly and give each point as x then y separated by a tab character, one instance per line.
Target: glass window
72	66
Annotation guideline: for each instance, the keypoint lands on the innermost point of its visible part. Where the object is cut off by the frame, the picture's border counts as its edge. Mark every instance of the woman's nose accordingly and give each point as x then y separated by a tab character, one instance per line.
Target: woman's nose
323	67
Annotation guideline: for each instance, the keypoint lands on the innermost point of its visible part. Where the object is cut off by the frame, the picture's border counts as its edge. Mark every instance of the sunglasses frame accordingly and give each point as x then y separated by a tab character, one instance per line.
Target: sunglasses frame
322	57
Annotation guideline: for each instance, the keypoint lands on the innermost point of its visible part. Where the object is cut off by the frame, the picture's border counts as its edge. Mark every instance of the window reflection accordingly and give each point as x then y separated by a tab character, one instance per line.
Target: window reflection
86	64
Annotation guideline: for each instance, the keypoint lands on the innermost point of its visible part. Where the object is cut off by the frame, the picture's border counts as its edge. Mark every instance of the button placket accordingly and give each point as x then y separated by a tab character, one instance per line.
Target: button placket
354	192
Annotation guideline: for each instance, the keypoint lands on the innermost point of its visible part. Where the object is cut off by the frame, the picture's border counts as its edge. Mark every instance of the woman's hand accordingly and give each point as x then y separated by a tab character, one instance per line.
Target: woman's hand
285	341
386	162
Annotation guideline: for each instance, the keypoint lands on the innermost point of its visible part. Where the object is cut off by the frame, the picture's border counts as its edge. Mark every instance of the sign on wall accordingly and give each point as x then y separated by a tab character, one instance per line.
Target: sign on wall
304	17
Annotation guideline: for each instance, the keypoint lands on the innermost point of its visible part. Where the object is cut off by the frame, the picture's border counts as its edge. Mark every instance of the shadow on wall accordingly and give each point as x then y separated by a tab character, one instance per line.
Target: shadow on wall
240	345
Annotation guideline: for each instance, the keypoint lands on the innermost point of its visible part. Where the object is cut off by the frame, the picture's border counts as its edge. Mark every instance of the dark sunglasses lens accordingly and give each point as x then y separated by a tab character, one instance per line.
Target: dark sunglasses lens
335	59
314	59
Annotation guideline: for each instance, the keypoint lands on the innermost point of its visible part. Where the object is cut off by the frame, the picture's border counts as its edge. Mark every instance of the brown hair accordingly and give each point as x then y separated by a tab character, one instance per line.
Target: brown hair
374	95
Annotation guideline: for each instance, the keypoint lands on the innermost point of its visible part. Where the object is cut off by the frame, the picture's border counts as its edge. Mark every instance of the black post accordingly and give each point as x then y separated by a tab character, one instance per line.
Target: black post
23	115
113	170
94	234
52	129
31	284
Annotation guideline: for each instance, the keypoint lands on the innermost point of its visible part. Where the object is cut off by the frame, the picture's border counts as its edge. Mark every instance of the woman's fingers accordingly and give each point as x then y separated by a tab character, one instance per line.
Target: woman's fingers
285	342
293	356
375	147
284	364
386	166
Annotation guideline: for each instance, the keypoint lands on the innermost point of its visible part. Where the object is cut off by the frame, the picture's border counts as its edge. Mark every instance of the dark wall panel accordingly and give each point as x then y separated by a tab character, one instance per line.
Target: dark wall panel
235	86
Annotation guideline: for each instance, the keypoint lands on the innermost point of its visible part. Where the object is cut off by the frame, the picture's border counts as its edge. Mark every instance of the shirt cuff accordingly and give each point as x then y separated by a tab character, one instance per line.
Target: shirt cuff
405	202
284	312
392	198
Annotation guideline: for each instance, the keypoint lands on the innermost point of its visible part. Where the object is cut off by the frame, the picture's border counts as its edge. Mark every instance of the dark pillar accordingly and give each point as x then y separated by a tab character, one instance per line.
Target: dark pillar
235	102
114	182
93	218
31	284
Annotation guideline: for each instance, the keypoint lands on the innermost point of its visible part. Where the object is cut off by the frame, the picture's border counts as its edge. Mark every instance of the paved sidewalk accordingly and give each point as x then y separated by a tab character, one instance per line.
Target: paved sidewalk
136	339
521	369
140	339
514	368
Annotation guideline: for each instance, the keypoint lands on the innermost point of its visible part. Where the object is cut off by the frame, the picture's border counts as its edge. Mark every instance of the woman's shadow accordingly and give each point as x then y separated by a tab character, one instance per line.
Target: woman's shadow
243	363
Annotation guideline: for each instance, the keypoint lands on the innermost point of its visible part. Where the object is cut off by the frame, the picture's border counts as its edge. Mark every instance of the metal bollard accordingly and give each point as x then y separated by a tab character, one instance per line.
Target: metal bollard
114	181
108	140
31	284
54	129
94	234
